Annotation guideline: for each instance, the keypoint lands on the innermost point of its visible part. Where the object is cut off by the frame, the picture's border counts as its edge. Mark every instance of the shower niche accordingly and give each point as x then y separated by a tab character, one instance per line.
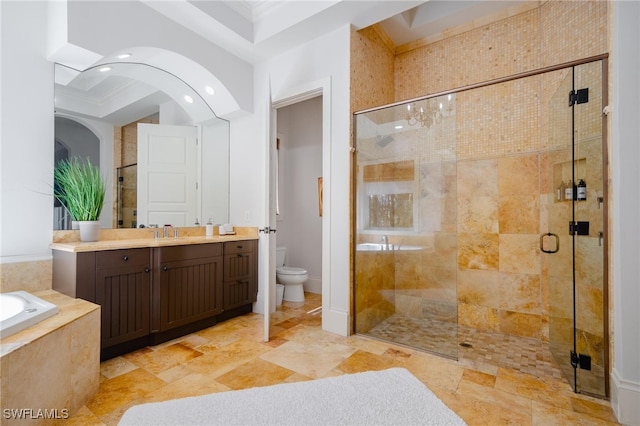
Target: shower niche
569	181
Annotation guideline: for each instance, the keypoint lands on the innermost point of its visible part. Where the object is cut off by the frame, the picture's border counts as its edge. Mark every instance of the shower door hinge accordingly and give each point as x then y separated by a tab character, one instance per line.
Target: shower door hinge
580	361
579	228
580	96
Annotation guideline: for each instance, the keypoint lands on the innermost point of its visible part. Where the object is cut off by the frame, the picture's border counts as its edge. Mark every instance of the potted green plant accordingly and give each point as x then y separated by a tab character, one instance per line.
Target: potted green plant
81	189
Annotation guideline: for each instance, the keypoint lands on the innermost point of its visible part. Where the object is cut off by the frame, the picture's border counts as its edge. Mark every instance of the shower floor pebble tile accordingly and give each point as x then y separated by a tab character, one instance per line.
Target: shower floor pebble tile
523	354
233	355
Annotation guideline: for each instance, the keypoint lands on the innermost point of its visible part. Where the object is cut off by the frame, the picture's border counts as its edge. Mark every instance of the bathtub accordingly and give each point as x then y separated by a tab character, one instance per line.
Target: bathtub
19	310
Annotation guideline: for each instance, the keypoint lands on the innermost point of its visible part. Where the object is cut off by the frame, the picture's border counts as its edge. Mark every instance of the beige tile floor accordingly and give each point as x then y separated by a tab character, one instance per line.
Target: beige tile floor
232	355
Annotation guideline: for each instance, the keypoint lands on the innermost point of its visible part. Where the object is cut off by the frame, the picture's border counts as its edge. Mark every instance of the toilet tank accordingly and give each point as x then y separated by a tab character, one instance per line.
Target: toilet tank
280	252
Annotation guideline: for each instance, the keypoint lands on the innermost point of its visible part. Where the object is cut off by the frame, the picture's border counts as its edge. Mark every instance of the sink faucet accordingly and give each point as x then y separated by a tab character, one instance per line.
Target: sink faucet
385	241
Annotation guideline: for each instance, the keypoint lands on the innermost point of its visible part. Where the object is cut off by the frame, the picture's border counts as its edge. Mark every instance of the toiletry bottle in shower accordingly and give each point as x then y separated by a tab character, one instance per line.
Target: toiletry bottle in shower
568	191
560	191
582	190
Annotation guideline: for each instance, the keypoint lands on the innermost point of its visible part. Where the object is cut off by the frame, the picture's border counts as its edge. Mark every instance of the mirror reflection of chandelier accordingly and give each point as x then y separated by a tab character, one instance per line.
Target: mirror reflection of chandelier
425	114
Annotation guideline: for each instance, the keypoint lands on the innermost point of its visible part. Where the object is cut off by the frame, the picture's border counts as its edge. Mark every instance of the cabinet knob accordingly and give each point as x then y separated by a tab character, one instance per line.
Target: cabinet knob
239	246
125	258
239	254
164	268
147	270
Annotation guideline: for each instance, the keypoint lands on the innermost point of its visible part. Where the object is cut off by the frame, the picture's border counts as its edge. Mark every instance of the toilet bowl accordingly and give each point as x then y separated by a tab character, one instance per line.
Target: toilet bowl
291	277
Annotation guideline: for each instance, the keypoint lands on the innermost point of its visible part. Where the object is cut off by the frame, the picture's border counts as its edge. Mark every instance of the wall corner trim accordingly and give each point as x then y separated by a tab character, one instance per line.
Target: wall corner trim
625	395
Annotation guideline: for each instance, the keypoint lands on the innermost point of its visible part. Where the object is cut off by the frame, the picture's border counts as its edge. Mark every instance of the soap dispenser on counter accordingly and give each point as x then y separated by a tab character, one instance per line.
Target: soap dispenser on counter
209	228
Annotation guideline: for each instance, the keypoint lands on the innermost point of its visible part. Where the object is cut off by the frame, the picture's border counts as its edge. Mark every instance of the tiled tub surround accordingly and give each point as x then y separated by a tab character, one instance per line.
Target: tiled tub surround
30	276
53	365
21	310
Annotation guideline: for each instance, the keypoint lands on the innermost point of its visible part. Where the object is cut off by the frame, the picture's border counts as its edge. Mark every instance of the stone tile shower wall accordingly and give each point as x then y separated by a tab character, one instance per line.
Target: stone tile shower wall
555	32
125	154
372	80
372	64
501	194
499	141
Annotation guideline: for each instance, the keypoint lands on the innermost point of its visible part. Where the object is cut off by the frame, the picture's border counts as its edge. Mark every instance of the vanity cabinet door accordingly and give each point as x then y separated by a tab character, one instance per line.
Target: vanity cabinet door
189	285
123	291
240	278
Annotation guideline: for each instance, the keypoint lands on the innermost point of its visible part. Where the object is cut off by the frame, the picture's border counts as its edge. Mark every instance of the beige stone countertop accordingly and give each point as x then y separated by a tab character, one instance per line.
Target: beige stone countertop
124	239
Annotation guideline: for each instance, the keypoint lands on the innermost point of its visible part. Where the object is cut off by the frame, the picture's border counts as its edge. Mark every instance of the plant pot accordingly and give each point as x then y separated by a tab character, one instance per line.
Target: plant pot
89	230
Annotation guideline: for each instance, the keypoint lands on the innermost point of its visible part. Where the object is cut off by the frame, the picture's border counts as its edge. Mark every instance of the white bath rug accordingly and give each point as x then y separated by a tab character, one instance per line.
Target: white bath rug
388	397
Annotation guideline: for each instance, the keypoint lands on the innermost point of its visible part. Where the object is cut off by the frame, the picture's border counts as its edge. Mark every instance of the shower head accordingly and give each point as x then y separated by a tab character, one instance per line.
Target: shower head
383	141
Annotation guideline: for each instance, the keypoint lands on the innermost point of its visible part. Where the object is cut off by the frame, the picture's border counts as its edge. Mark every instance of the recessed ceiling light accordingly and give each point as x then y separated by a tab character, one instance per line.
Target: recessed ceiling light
209	90
188	99
105	69
124	56
398	127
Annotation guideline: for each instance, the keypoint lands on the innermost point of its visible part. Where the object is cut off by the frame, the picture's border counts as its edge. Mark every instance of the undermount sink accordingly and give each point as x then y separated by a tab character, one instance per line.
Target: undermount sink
386	247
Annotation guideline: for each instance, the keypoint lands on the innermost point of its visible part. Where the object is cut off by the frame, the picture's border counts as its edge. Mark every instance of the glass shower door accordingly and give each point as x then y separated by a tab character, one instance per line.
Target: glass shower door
405	243
127	196
574	246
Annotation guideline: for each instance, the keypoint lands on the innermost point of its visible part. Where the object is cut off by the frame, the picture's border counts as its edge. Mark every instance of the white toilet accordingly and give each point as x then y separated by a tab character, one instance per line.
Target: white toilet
292	278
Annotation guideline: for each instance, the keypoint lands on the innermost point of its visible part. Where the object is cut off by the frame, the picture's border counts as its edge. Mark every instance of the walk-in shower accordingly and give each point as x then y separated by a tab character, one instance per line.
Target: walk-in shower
480	225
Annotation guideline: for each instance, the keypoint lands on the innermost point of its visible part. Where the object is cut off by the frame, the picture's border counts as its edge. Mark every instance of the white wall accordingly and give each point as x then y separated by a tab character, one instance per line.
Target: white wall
320	64
625	158
26	134
106	27
215	173
79	140
299	223
27	114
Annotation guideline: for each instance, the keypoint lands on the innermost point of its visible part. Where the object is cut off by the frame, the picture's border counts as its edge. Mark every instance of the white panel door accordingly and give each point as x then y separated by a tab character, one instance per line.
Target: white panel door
167	175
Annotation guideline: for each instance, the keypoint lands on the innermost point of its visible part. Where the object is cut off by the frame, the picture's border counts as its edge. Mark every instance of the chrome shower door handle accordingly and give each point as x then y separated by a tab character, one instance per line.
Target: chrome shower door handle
542	239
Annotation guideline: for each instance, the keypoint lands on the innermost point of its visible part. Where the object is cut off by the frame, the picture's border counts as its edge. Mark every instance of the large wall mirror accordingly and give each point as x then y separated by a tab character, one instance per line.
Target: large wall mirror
162	150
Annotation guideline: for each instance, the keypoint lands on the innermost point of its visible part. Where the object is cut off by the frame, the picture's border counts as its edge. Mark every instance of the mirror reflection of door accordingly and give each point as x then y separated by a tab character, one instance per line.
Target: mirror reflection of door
167	175
113	103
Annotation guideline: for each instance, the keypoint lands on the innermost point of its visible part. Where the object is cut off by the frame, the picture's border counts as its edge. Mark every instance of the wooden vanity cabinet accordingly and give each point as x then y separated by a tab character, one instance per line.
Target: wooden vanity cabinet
187	285
240	277
118	280
154	294
123	291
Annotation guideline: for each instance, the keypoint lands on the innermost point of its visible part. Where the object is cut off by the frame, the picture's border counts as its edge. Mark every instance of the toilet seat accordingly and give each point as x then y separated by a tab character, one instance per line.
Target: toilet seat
290	270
